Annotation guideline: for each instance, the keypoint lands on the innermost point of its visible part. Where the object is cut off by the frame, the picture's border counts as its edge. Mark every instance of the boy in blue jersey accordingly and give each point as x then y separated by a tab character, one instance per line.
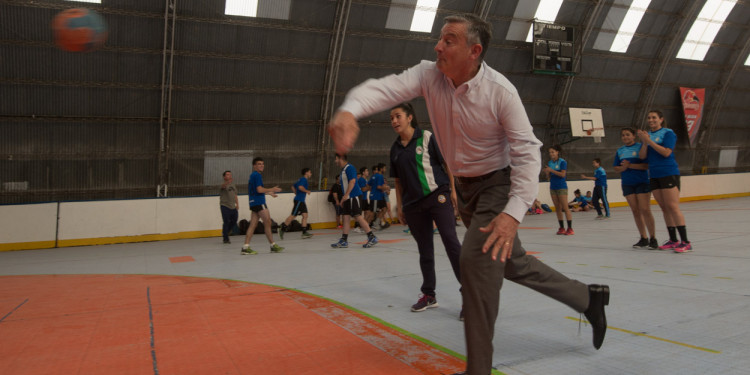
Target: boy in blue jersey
363	177
301	191
377	196
351	204
600	188
259	211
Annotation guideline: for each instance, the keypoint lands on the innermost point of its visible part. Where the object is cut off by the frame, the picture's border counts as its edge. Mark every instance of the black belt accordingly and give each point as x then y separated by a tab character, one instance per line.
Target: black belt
472	180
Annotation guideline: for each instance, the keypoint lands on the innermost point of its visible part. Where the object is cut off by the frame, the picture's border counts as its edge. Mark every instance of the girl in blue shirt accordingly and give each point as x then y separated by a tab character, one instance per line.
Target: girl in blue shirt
635	187
657	148
556	170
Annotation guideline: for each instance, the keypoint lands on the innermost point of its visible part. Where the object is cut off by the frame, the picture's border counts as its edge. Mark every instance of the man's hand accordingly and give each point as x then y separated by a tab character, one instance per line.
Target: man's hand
502	230
343	130
401	217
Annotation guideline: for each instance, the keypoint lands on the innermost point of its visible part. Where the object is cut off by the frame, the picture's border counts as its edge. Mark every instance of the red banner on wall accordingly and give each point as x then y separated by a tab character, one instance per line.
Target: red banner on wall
693	101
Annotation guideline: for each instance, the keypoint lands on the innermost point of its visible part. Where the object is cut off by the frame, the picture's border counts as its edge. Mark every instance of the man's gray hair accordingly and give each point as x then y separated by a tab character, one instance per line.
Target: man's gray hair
478	31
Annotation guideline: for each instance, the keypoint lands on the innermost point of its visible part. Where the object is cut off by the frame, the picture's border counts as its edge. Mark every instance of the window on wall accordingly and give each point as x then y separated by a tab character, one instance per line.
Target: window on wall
527	11
625	16
412	15
704	29
278	9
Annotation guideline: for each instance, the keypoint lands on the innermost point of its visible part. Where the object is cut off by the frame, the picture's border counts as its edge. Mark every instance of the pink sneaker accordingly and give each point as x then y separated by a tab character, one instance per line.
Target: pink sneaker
669	245
683	247
561	231
569	232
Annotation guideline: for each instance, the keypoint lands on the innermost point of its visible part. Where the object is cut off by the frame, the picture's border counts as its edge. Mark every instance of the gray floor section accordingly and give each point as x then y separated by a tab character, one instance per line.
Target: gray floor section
669	313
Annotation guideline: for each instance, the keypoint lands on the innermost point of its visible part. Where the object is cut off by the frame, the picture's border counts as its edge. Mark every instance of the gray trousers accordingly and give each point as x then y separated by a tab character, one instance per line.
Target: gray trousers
482	278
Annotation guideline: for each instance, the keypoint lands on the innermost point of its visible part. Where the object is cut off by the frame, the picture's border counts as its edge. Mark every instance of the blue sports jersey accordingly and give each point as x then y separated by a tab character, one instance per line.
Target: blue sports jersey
362	183
556	182
659	166
631	176
256	180
349	173
601	177
375	181
300	195
581	200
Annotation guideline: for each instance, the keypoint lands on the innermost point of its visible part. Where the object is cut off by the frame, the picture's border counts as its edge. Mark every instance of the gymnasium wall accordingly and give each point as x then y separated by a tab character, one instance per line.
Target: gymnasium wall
36	226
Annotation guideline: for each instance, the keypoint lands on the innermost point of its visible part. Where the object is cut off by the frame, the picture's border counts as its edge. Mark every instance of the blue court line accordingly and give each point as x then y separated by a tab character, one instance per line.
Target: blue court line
16	308
151	325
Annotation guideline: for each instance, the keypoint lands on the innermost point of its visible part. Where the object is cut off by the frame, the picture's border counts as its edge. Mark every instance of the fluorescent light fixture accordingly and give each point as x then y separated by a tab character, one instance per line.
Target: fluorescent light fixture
704	29
424	15
629	25
547	12
247	8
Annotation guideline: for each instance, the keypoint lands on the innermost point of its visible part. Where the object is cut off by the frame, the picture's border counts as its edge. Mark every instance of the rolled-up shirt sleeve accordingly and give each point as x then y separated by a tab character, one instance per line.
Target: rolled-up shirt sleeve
376	95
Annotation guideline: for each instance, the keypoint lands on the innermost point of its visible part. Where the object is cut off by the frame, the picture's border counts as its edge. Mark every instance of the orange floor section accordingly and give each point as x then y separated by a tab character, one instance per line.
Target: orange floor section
141	324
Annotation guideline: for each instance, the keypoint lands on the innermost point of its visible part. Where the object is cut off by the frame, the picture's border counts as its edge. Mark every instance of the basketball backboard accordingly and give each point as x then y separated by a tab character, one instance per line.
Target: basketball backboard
586	122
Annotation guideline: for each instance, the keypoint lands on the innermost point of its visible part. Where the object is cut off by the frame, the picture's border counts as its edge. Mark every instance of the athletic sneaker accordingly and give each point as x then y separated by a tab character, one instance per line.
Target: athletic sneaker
385	226
641	244
561	231
276	248
407	231
282	229
248	251
669	245
306	235
357	230
569	232
599	217
683	247
372	241
341	244
425	302
435	231
652	244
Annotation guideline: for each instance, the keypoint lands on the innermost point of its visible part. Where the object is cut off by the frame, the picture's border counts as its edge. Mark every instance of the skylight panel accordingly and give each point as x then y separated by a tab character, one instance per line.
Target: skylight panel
87	1
412	15
747	62
424	15
705	28
547	12
246	8
629	25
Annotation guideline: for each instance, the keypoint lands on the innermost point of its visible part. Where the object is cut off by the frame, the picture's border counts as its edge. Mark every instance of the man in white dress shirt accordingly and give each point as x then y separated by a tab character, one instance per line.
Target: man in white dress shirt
488	142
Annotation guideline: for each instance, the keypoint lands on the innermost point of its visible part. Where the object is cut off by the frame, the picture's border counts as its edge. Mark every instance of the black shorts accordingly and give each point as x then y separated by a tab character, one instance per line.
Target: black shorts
258	208
635	189
377	205
351	207
667	182
299	208
364	204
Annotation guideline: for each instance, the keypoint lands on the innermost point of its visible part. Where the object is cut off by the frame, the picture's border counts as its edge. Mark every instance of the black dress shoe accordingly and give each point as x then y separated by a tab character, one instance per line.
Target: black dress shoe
598	298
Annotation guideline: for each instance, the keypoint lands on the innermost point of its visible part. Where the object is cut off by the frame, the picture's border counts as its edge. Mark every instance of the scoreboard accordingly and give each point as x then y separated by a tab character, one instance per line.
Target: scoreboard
554	48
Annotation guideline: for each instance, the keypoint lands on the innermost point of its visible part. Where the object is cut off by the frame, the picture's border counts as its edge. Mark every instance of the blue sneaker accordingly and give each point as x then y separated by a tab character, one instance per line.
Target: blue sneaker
372	241
341	244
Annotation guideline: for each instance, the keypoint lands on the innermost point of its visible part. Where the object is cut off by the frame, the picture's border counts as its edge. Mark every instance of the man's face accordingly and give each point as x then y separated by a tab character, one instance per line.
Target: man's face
340	162
259	166
228	176
366	173
308	174
454	55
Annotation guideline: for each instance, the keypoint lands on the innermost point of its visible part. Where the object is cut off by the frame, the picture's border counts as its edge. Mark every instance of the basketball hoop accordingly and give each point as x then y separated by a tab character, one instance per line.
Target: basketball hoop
595	133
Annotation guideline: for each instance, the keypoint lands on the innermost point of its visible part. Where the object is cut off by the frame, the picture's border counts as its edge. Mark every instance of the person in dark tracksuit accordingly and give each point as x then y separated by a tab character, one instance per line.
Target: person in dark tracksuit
424	193
600	188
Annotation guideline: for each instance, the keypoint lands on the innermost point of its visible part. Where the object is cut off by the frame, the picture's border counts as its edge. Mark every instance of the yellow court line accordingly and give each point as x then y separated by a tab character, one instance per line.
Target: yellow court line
653	337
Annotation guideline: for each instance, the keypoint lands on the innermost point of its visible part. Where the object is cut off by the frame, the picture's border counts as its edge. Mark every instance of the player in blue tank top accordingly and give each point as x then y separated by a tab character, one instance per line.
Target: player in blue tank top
658	150
301	191
351	204
258	210
556	171
635	187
